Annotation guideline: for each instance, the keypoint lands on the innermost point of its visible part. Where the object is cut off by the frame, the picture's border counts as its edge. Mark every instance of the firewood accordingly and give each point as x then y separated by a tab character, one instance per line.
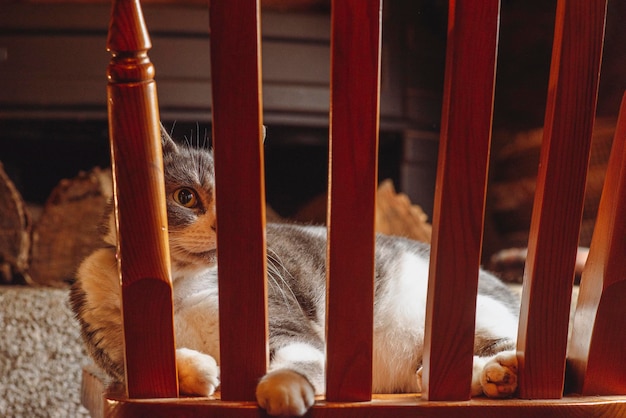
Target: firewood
396	215
68	228
15	233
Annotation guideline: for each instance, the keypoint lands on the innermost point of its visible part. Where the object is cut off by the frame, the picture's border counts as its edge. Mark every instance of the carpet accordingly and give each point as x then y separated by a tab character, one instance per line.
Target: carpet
41	354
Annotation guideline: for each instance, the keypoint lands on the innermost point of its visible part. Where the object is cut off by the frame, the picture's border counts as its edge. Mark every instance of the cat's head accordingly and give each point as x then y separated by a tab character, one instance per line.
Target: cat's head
190	197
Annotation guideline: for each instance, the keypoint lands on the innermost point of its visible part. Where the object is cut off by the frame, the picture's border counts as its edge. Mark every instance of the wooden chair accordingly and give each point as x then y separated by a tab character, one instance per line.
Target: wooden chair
595	356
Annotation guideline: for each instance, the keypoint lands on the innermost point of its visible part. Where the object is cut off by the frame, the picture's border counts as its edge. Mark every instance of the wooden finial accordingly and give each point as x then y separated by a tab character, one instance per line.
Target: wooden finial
139	196
128	41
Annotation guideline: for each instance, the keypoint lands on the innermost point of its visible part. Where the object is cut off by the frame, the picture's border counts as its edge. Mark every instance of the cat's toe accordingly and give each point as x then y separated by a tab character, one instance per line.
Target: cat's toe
285	393
418	375
198	373
499	376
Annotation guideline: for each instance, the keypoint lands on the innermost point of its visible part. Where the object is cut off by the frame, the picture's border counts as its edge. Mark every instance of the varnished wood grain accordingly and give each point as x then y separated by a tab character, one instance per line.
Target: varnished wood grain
240	195
381	406
139	194
559	199
355	97
598	341
460	198
93	389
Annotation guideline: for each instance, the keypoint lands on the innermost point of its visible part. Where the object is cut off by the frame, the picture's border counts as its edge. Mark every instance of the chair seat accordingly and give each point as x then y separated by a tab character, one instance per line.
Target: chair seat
116	404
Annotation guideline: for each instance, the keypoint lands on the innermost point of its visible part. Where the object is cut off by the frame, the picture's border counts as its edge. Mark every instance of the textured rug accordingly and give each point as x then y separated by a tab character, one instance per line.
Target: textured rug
41	354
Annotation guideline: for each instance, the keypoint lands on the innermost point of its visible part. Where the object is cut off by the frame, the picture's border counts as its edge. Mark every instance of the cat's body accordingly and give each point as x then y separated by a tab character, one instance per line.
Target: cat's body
296	295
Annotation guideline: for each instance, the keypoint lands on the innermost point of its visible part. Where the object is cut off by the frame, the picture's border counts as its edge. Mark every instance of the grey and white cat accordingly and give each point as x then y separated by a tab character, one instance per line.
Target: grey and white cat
296	292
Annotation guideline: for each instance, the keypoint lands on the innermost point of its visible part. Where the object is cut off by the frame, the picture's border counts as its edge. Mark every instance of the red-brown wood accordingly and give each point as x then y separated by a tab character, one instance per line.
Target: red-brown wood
355	96
557	212
140	207
460	198
596	349
240	195
382	406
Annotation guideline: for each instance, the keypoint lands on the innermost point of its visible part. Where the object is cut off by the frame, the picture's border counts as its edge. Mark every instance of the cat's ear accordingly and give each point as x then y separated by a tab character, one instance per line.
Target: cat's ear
167	142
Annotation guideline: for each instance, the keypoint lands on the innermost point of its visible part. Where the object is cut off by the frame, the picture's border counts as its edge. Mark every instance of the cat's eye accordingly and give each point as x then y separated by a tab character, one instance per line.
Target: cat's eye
186	197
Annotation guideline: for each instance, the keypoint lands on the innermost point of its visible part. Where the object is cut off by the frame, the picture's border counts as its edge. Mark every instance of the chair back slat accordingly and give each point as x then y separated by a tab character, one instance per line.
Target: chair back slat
240	195
559	199
596	347
353	157
140	207
460	198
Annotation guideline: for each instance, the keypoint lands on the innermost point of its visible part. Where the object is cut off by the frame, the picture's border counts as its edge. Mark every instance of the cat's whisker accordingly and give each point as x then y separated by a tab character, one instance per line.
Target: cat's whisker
206	138
197	135
172	129
273	257
272	273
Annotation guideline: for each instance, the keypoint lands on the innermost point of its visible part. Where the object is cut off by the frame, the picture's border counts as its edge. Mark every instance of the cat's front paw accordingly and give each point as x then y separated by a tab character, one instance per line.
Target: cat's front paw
285	392
499	376
198	373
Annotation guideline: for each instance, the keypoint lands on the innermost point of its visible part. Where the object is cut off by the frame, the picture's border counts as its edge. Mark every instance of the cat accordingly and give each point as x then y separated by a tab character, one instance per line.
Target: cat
296	298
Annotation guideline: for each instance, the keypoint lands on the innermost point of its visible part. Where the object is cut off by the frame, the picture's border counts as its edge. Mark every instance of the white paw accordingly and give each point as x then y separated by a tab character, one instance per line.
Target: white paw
198	373
285	392
499	376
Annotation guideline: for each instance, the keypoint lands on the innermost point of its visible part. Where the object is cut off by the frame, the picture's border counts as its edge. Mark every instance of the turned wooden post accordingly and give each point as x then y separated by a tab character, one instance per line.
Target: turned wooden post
139	193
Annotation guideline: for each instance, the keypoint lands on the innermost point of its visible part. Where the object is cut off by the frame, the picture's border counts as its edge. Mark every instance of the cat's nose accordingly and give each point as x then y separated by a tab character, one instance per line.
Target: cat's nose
214	226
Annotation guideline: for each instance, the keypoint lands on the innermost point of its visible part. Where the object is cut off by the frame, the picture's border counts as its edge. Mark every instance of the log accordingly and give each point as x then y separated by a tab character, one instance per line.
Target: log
68	228
15	233
395	214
